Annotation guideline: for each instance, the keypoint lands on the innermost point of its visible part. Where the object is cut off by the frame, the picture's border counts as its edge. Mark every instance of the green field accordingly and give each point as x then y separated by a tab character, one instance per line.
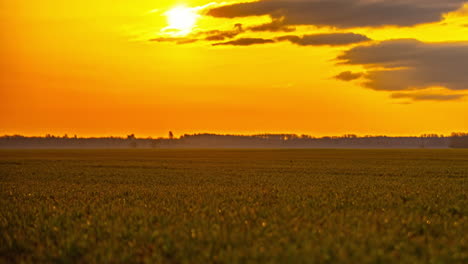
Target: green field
234	206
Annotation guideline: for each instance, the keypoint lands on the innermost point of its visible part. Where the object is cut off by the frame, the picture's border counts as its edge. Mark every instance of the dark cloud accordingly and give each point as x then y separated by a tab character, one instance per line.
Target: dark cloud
331	39
344	13
180	40
349	76
218	35
427	96
276	25
245	42
399	65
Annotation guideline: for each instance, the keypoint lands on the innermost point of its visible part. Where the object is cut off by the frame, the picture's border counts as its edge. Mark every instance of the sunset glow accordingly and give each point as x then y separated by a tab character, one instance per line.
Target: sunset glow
182	19
147	67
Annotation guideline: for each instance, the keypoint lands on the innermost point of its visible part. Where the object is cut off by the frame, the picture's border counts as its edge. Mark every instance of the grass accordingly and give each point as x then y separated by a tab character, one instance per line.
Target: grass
234	206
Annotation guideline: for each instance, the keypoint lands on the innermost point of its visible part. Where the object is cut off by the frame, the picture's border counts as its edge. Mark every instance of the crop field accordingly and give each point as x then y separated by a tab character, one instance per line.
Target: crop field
234	206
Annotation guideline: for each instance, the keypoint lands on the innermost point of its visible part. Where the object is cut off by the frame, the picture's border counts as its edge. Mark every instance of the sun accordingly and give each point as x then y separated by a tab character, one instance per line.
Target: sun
181	19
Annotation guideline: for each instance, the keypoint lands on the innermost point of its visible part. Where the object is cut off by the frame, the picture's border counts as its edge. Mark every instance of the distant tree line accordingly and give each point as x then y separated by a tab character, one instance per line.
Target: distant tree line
456	140
459	140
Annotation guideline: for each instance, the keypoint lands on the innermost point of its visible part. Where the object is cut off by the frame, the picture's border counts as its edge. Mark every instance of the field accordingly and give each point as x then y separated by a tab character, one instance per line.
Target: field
234	206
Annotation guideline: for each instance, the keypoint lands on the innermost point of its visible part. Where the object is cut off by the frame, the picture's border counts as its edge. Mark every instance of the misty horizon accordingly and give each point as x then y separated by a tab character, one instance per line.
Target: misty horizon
176	136
206	140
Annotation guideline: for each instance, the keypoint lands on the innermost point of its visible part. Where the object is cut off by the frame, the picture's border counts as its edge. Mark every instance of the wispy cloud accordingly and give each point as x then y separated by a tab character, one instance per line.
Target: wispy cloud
349	76
428	96
330	39
245	42
277	25
177	40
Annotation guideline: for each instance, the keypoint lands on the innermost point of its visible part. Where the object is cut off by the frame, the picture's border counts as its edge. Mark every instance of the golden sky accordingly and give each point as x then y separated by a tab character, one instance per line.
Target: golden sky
114	67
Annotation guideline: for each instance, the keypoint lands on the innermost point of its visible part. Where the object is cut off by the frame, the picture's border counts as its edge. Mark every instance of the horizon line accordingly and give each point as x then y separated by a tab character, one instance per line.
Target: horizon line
296	135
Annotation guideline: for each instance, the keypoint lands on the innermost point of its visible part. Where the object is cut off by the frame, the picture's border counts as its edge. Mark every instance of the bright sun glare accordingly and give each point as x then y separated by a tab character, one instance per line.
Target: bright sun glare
182	19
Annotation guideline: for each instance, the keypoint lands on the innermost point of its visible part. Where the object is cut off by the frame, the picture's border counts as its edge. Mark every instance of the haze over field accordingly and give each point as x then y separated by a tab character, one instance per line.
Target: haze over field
262	141
318	67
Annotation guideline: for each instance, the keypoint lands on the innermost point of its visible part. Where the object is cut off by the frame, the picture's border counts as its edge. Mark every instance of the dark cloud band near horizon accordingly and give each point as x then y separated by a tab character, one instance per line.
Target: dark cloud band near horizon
343	13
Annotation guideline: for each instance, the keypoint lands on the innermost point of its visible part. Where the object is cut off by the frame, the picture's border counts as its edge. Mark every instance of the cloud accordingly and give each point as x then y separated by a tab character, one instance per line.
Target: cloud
349	76
180	40
276	25
427	96
408	64
343	13
245	42
221	35
331	39
218	35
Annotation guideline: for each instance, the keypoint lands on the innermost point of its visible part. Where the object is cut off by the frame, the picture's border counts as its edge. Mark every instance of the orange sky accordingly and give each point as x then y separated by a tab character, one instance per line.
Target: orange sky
89	68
